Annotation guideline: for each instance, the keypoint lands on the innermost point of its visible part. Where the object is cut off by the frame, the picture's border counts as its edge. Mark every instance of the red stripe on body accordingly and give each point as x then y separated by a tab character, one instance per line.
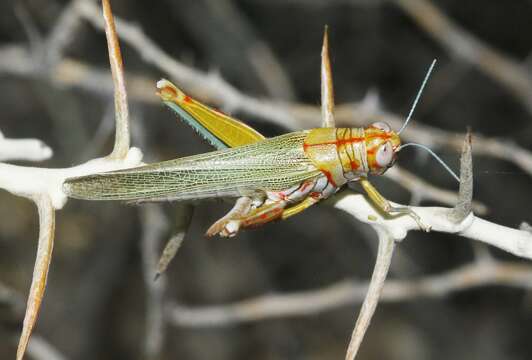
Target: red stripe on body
341	142
328	175
315	195
354	165
305	185
335	142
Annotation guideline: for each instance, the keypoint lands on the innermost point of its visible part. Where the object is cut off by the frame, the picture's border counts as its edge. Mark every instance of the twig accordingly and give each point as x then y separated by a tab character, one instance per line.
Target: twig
348	292
236	46
514	241
382	265
30	28
465	195
424	190
63	32
184	217
467	47
31	181
154	226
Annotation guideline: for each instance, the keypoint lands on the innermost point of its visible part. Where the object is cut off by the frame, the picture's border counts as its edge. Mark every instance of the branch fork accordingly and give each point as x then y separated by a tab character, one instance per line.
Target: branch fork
44	186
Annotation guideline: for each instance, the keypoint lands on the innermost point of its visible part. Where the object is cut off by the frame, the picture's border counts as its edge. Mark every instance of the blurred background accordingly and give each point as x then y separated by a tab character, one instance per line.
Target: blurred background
101	302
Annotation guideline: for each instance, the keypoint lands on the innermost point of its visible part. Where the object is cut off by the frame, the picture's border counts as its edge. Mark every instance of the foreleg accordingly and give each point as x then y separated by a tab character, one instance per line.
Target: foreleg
385	206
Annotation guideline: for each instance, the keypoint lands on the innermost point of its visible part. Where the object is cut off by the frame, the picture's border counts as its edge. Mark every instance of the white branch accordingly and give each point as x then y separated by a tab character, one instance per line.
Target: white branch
32	181
23	149
44	186
349	292
517	242
154	226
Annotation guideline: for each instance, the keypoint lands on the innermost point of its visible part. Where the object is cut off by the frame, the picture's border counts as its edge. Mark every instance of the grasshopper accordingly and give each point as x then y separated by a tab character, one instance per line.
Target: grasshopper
272	178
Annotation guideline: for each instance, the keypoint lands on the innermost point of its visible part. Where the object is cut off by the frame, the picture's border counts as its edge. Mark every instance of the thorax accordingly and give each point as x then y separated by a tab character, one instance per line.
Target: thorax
340	153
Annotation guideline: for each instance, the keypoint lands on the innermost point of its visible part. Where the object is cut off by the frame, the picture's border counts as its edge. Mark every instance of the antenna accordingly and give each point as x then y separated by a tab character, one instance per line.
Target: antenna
434	155
418	96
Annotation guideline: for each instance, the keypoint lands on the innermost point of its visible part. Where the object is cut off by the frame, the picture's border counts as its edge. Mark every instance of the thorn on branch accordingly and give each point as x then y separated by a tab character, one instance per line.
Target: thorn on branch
327	91
169	252
40	271
173	245
380	271
465	194
121	146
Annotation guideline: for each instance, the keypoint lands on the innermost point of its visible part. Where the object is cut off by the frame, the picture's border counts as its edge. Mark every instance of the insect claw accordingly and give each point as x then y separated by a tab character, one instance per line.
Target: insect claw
425	228
224	228
231	228
216	228
417	219
229	225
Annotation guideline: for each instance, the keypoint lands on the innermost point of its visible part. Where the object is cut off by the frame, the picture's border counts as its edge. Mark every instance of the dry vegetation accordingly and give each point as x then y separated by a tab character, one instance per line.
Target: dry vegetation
291	289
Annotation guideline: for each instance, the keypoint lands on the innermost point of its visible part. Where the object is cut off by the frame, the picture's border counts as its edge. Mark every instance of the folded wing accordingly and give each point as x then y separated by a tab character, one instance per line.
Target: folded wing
269	165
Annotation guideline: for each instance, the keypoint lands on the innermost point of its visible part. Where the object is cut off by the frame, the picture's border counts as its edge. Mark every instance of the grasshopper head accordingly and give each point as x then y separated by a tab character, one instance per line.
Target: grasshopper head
382	144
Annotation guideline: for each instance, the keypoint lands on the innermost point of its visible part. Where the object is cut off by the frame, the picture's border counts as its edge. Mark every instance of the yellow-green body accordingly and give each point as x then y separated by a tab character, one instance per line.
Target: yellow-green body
279	176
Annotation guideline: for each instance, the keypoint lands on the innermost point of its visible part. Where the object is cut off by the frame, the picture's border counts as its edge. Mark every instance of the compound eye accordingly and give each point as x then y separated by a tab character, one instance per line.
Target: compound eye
384	156
382	125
